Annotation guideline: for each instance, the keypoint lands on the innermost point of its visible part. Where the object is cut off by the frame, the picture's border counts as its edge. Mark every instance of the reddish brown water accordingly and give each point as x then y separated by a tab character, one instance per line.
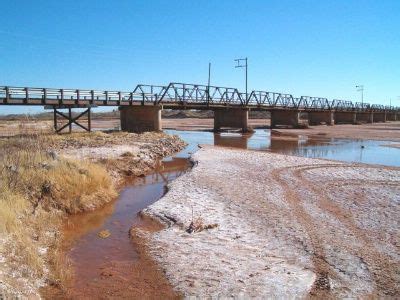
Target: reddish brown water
116	266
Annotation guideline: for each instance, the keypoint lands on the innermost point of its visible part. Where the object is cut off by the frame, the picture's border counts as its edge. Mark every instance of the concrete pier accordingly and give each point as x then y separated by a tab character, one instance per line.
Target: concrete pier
141	118
231	117
379	116
318	117
285	117
365	117
345	117
392	116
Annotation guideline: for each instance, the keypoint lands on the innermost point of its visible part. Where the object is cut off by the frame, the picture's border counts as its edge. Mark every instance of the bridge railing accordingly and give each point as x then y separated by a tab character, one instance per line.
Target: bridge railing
152	93
180	94
272	99
28	95
200	94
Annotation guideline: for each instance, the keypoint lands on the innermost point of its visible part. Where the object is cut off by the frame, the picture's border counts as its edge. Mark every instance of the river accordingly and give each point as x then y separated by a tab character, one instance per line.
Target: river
114	266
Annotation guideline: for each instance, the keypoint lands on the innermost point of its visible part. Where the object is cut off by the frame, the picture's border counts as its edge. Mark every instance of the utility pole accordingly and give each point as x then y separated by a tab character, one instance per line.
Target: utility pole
239	64
360	88
208	83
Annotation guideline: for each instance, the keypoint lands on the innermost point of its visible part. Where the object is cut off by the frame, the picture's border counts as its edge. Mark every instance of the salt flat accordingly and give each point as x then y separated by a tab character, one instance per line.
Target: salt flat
287	227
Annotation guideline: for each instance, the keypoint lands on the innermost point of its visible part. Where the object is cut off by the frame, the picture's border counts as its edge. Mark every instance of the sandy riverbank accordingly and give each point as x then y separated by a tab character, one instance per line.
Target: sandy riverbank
44	179
279	226
376	131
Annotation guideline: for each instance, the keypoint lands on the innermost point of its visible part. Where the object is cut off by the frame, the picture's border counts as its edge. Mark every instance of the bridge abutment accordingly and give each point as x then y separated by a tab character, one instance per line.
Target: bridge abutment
141	118
231	117
365	117
285	117
318	117
345	117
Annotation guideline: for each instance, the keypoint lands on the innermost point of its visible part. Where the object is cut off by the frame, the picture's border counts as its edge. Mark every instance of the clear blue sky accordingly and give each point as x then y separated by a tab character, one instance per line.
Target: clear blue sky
315	48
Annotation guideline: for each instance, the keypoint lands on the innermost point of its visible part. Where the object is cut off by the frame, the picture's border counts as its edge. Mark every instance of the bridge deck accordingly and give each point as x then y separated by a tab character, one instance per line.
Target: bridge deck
178	96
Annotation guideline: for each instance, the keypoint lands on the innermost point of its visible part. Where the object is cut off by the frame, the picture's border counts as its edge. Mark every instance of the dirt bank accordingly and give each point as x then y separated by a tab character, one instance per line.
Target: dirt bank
270	225
45	178
389	131
376	131
121	153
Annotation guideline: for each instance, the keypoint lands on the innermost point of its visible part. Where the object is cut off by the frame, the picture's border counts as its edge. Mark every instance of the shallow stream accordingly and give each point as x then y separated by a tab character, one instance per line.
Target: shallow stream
100	264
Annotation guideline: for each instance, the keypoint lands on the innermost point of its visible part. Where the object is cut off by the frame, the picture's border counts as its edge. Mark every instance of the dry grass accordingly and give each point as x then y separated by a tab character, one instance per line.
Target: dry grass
38	188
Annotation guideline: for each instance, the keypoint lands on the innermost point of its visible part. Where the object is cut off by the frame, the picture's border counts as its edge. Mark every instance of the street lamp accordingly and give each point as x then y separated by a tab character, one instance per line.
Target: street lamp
239	64
360	88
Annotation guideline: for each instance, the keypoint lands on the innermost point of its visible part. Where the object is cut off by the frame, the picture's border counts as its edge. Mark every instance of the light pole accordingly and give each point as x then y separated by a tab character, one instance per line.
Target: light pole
239	64
208	83
360	88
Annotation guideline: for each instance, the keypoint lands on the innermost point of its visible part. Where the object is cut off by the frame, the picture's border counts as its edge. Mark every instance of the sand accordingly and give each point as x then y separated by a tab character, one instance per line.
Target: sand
287	226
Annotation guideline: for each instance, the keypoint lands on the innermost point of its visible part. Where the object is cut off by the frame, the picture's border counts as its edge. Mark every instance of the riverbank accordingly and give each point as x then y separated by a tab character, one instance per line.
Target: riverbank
262	224
388	131
44	179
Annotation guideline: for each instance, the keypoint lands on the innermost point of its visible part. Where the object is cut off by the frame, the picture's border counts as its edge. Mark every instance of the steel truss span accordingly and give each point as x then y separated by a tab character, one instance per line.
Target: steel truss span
179	95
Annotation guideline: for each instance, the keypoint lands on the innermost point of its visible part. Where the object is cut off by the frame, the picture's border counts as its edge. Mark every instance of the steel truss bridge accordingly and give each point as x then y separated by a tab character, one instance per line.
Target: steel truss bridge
179	96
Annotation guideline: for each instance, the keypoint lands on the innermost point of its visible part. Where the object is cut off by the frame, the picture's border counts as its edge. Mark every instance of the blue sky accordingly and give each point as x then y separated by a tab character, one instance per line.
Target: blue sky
314	48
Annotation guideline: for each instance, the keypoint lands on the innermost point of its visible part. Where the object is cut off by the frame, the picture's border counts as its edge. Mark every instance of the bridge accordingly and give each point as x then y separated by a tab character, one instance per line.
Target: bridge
141	108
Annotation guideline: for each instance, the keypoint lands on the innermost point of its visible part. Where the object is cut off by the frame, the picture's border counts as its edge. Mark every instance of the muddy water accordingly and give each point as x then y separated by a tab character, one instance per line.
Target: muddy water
115	266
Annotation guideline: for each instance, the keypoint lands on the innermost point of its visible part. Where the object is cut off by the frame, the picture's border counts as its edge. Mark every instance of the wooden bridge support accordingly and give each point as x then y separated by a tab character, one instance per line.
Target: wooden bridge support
319	117
379	116
285	117
71	120
345	117
231	117
365	117
141	118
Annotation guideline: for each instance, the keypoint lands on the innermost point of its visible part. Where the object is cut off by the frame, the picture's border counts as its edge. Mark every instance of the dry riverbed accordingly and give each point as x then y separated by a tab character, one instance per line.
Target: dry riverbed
254	224
46	177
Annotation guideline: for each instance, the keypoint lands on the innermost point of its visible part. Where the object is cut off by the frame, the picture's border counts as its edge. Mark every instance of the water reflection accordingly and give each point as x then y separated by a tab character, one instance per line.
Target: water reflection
236	140
91	254
349	150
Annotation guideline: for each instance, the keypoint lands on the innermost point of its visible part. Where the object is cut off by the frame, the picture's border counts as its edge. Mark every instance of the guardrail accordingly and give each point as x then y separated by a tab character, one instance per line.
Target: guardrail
179	94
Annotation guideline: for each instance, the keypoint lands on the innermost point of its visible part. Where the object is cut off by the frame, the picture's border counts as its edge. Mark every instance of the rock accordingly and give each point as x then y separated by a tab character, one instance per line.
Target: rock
104	234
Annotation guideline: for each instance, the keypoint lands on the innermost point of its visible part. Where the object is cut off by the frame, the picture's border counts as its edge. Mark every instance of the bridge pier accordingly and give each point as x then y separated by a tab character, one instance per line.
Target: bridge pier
318	117
345	117
365	117
391	116
231	117
379	116
285	117
141	118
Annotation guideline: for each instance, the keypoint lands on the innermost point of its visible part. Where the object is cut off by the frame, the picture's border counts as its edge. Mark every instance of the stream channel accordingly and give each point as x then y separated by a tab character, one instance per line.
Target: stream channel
117	266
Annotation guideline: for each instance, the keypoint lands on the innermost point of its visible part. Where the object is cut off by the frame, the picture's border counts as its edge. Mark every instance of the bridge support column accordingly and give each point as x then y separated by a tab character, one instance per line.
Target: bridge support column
365	117
379	116
318	117
391	116
141	118
345	117
231	117
285	117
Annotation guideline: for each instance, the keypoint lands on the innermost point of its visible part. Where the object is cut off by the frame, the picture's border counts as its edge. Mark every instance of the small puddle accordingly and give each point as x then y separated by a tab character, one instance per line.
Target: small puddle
116	267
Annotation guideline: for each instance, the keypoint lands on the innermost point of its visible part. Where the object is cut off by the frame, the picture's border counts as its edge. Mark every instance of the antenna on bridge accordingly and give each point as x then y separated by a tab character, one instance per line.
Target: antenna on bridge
239	64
